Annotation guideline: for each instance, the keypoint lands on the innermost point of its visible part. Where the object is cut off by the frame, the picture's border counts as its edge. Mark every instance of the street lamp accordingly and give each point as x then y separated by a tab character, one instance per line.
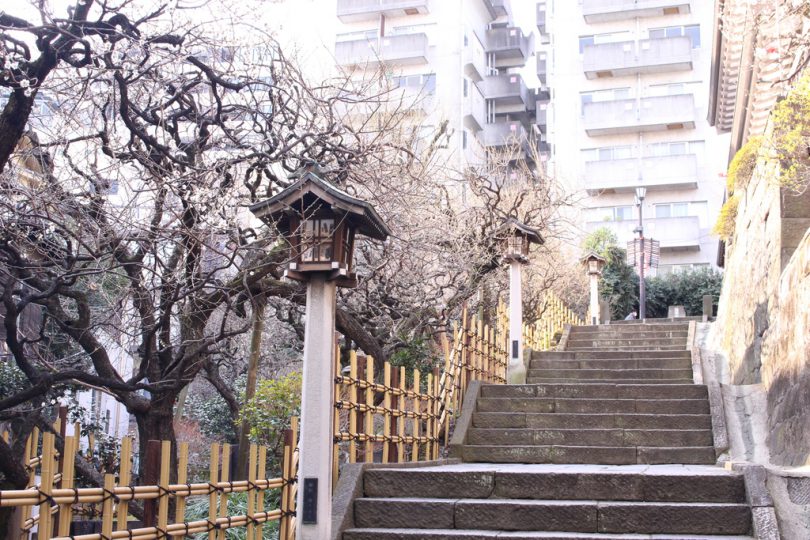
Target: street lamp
516	238
319	223
641	192
594	265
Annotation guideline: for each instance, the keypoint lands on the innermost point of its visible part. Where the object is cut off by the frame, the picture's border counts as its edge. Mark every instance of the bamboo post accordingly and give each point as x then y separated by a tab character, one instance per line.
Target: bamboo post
261	473
429	422
46	486
353	420
213	473
401	426
286	487
68	469
251	495
124	479
369	424
387	411
182	478
393	430
163	500
224	475
336	428
107	506
416	406
436	412
464	337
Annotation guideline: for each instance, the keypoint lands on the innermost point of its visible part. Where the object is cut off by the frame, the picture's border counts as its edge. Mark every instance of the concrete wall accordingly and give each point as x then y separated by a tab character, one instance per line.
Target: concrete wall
763	323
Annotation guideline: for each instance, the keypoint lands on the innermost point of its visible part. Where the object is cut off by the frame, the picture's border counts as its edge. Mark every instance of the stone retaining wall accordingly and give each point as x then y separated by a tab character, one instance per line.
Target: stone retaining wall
763	322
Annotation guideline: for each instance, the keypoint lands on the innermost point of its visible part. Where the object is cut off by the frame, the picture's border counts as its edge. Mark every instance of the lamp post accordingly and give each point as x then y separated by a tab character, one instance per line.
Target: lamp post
641	192
319	223
516	238
594	264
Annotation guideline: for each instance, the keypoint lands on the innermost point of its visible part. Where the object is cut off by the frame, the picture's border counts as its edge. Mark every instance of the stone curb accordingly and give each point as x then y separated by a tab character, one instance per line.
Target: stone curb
763	514
561	346
464	421
350	487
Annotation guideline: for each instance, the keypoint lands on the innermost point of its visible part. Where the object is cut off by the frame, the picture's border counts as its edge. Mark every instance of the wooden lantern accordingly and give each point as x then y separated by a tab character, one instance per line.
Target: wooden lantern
516	238
593	263
320	222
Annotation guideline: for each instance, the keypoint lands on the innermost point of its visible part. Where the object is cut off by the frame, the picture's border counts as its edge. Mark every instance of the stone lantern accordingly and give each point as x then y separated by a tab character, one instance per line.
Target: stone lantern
516	238
594	264
320	224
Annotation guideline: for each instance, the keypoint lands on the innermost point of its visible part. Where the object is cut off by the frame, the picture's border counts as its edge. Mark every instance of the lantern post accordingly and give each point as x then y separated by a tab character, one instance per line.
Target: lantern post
318	222
641	192
594	264
516	237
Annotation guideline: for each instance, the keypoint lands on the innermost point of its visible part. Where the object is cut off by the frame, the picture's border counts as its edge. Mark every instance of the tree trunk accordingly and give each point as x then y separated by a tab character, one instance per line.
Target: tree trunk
157	425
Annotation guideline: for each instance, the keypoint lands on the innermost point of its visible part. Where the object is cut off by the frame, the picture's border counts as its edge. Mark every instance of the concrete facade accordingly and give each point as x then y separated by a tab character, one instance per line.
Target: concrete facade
629	82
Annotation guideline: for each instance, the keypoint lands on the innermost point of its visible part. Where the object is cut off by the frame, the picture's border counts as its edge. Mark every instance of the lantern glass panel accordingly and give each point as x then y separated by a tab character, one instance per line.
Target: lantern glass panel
316	240
594	265
515	245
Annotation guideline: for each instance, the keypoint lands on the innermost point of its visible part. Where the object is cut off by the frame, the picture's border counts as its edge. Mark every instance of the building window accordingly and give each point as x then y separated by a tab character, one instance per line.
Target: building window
698	209
584	41
611	213
426	82
676	148
692	31
466	87
595	96
608	153
464	139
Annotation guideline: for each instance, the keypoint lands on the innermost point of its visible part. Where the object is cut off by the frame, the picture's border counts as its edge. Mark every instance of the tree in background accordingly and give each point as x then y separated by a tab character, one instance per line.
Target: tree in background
619	282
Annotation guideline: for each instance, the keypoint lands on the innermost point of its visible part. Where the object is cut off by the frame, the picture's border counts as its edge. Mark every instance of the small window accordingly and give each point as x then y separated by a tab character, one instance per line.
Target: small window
466	90
657	33
624	213
464	140
693	31
583	42
662	211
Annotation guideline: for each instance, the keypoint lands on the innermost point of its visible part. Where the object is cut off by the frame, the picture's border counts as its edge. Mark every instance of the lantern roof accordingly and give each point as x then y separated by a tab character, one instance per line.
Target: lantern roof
514	226
309	189
591	255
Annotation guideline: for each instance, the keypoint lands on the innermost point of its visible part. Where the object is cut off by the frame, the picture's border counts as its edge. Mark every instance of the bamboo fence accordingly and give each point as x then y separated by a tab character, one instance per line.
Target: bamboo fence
541	334
393	416
59	500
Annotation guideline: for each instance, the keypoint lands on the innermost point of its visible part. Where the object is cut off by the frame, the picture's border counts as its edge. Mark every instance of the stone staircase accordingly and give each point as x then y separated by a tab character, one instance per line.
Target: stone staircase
609	439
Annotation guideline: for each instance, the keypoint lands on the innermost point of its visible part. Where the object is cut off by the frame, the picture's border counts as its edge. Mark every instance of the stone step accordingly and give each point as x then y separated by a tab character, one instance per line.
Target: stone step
607	355
658	373
659	322
629	332
608	340
611	363
652	484
624	348
543	380
590	437
591	421
606	455
581	405
663	325
603	389
559	515
462	534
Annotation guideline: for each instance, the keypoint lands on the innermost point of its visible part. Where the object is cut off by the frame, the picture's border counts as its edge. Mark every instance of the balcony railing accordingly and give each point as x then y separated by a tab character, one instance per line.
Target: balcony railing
498	8
506	90
628	58
368	10
475	64
674	233
541	113
542	67
655	173
541	18
474	110
404	49
503	134
660	113
509	47
597	11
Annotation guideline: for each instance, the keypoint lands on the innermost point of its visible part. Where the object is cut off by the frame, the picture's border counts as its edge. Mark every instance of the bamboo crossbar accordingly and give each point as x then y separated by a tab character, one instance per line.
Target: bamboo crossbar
59	501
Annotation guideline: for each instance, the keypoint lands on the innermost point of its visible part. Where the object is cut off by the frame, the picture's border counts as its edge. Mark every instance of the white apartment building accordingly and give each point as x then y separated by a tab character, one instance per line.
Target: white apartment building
630	90
464	61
